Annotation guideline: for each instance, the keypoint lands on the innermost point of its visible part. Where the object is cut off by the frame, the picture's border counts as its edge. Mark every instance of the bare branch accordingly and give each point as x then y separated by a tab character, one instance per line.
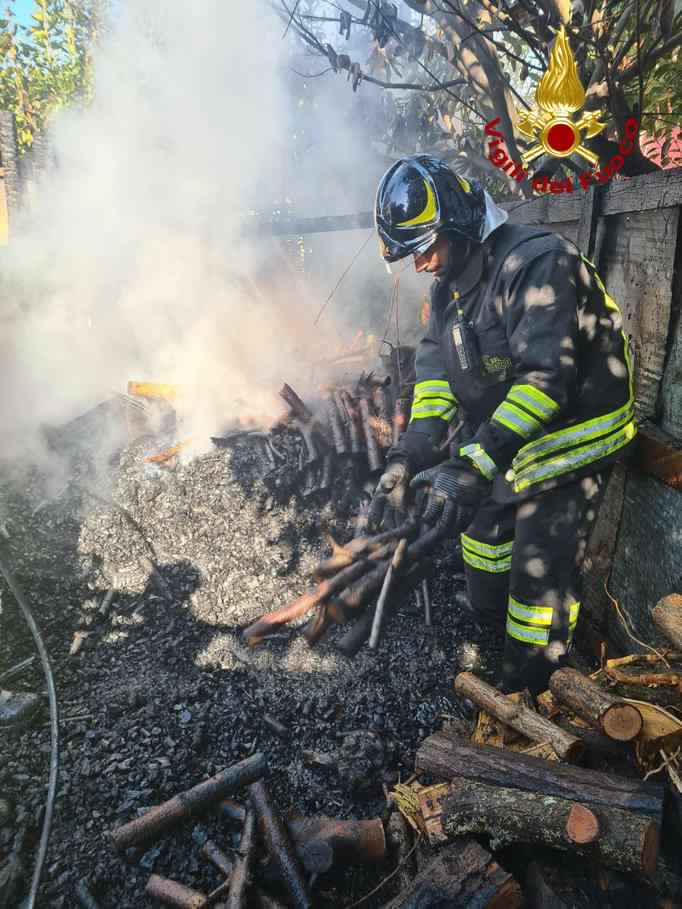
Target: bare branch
633	70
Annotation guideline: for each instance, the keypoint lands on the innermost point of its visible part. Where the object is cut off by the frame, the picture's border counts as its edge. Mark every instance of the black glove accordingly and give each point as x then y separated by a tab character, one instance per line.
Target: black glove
456	490
391	490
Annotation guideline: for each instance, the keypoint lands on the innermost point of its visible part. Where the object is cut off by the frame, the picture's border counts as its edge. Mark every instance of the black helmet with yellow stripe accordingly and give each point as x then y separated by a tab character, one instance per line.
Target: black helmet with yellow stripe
418	197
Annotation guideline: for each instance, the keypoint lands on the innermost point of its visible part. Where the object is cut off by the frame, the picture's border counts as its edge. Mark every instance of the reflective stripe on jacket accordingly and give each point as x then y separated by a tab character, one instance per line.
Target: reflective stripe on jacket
528	345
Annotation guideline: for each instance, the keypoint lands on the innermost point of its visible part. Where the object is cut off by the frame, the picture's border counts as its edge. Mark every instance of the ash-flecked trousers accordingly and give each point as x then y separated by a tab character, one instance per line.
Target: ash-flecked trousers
522	564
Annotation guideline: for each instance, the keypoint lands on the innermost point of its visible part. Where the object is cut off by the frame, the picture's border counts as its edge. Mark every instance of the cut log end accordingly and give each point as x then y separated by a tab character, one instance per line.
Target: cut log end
650	841
622	722
582	825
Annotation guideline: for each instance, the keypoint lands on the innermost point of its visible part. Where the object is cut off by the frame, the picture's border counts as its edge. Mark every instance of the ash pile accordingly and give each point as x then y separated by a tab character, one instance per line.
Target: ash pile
145	584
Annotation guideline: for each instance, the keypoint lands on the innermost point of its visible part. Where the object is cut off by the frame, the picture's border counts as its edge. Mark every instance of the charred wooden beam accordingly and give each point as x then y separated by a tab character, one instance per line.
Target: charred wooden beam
240	880
162	818
351	421
335	420
295	404
518	717
619	839
616	718
280	846
446	757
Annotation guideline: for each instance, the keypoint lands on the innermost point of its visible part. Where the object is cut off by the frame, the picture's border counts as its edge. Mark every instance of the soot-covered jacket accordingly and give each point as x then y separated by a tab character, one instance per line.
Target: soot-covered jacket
527	346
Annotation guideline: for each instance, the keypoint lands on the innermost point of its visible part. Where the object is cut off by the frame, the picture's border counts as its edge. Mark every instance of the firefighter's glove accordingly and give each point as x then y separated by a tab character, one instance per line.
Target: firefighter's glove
455	492
390	491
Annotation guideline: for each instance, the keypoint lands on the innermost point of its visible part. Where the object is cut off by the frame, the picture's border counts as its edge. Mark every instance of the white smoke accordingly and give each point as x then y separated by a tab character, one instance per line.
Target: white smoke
134	257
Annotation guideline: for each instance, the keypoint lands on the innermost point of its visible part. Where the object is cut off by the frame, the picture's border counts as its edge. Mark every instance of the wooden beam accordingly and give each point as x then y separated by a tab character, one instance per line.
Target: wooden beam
662	189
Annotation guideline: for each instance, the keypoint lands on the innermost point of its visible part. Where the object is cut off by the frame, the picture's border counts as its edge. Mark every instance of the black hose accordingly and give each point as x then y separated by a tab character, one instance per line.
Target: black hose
54	730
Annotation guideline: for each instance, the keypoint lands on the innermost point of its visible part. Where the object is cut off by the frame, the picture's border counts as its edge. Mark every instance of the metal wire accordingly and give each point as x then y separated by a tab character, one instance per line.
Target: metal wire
54	731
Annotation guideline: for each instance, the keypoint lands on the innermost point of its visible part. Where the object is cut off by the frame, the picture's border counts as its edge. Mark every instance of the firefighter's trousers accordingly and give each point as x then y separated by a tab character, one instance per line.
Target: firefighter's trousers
523	569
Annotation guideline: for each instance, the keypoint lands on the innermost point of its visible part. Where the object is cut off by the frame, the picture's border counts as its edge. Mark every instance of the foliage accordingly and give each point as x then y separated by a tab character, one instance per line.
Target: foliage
47	64
627	51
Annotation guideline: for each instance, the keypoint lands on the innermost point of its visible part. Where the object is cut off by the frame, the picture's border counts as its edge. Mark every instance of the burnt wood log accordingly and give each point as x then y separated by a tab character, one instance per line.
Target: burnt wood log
170	893
446	757
386	589
352	841
462	875
667	616
618	839
217	858
351	422
162	818
374	457
240	880
616	719
520	718
280	846
599	747
336	425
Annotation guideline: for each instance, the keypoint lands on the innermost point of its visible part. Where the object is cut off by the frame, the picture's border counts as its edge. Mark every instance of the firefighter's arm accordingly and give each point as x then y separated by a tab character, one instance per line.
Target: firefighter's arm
540	315
433	406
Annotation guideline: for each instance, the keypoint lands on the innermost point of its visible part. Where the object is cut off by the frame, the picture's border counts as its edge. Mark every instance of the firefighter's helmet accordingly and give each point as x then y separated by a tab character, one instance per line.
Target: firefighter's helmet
418	198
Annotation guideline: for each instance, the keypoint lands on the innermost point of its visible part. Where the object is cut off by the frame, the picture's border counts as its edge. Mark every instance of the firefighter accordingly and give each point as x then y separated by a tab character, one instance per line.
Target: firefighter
525	345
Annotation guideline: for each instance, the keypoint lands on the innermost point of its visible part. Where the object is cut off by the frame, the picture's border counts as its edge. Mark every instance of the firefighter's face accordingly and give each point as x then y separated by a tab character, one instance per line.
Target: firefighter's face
436	259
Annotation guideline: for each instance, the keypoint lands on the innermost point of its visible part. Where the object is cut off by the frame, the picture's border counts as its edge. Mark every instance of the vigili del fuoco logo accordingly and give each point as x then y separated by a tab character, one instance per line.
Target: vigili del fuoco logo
550	127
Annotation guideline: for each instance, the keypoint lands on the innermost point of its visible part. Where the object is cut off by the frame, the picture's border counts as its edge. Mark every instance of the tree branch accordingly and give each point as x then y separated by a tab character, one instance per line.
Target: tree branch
633	70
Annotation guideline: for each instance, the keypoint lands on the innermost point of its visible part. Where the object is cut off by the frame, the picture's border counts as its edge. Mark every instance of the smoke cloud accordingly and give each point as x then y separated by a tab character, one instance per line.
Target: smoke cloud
135	256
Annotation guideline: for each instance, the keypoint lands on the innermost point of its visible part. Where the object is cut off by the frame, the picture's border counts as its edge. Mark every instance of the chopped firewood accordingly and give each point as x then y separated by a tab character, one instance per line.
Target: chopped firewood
280	846
520	718
667	616
217	858
240	880
162	818
462	874
616	719
619	839
446	757
170	893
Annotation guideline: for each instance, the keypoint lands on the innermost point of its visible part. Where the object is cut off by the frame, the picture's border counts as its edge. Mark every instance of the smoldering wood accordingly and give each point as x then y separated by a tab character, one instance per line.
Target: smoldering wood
616	838
280	846
171	893
240	879
667	617
336	425
163	818
520	718
446	757
351	421
374	456
616	718
461	874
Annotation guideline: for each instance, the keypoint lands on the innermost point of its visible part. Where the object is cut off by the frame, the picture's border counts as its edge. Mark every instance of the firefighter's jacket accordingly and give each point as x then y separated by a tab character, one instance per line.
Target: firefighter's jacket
528	347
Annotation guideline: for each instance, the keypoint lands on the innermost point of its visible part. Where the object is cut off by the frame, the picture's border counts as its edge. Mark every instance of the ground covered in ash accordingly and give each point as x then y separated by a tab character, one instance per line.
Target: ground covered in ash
141	588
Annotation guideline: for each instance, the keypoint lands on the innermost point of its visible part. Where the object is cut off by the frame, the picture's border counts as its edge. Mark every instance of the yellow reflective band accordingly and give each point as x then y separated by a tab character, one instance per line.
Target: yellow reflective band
574	612
537	636
517	420
534	400
578	457
429	212
563	438
492	566
434	386
478	456
488	550
423	413
532	615
464	183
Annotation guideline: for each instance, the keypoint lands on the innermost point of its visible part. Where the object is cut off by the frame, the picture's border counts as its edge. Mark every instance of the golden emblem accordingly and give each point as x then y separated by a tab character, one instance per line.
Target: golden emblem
549	123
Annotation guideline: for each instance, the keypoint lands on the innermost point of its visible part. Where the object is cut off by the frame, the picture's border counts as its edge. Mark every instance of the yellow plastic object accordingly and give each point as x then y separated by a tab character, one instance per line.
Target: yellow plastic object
154	390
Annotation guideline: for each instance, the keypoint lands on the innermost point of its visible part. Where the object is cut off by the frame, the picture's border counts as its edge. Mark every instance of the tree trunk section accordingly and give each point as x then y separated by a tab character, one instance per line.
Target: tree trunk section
461	875
616	719
527	722
9	161
616	838
445	758
667	616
